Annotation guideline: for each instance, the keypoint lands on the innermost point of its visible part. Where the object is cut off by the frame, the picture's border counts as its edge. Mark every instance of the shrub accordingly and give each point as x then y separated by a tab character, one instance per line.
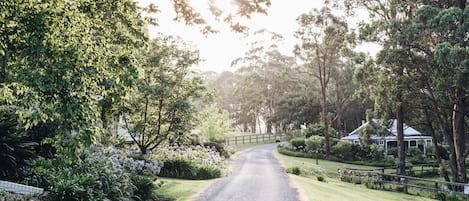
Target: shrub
376	152
315	129
320	178
217	146
392	151
144	187
314	143
414	151
293	170
343	150
288	152
190	162
100	174
15	147
298	143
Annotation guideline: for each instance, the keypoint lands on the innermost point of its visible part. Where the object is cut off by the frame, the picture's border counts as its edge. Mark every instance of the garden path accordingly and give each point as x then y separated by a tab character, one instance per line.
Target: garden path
257	176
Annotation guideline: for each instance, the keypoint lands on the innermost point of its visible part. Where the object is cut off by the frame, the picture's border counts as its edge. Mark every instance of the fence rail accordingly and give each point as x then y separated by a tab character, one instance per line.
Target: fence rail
379	179
254	139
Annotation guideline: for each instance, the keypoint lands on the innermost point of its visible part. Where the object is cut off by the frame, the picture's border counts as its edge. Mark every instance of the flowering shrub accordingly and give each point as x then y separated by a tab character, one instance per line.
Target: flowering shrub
190	162
101	174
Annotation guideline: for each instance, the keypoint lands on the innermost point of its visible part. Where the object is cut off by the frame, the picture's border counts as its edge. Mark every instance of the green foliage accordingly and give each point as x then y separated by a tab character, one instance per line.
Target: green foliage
99	174
288	152
190	162
376	152
218	147
160	107
343	150
214	124
315	129
16	149
144	187
320	178
298	143
315	143
293	170
58	71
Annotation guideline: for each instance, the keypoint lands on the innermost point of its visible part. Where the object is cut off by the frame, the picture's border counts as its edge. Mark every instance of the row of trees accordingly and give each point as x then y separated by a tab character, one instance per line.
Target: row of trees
70	71
420	75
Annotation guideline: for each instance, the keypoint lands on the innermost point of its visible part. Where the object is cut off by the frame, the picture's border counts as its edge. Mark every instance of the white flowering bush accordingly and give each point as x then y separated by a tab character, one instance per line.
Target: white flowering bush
190	162
100	174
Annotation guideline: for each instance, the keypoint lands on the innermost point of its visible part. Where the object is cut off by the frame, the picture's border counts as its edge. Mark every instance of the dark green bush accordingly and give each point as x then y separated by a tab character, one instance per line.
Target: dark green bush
315	129
321	178
293	170
343	150
298	143
288	152
15	147
186	169
206	172
144	187
178	168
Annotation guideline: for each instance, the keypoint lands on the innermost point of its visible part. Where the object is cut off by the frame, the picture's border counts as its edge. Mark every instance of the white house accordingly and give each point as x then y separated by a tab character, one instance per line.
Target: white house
412	137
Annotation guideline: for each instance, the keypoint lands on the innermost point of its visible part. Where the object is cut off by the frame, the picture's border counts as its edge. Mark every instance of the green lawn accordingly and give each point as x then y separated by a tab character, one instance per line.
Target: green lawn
336	190
181	189
330	167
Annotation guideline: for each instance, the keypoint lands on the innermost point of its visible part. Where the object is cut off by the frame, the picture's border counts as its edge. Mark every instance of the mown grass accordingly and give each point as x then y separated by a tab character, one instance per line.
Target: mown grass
333	189
180	189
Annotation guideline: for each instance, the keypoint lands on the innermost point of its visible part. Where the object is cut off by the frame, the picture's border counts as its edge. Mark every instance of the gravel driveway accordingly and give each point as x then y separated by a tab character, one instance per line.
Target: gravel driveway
257	176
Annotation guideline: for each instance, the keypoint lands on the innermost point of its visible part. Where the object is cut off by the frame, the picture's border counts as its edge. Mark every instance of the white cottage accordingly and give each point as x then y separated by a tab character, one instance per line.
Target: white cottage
412	137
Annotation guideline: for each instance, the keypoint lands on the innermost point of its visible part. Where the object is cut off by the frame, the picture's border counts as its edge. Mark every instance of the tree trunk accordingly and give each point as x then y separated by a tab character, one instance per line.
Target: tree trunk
435	142
269	127
325	122
400	138
459	135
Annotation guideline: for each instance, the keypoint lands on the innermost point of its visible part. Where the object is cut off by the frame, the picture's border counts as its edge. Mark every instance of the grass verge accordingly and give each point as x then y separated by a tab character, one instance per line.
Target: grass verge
334	189
180	189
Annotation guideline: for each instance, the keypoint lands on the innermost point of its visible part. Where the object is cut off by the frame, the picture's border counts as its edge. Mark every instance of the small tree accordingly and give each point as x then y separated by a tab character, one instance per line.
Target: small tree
214	124
315	144
160	107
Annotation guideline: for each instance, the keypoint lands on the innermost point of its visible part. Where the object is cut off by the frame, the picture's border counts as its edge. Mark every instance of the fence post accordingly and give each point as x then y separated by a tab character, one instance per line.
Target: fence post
243	139
236	139
250	136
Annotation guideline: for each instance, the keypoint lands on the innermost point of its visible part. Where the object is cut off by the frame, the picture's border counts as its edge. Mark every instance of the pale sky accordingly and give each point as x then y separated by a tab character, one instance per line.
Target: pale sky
219	50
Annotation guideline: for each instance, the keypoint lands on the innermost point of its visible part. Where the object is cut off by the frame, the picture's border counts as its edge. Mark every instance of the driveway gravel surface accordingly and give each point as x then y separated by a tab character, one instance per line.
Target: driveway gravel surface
257	176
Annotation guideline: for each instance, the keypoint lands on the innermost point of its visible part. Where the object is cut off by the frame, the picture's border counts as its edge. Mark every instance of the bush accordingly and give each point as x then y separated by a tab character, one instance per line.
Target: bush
99	174
217	146
190	162
392	151
314	144
293	170
298	143
315	129
288	152
144	187
321	178
343	150
376	152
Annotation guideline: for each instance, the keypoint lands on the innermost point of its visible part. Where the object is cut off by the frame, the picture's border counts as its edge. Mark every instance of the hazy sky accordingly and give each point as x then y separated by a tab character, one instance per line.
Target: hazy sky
218	50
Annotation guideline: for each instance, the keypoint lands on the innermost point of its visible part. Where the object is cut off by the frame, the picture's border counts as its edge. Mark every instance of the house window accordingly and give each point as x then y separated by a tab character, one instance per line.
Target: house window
413	143
381	142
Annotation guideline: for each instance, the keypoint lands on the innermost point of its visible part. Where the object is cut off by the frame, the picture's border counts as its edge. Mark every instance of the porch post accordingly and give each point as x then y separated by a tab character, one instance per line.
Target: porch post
385	148
425	147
